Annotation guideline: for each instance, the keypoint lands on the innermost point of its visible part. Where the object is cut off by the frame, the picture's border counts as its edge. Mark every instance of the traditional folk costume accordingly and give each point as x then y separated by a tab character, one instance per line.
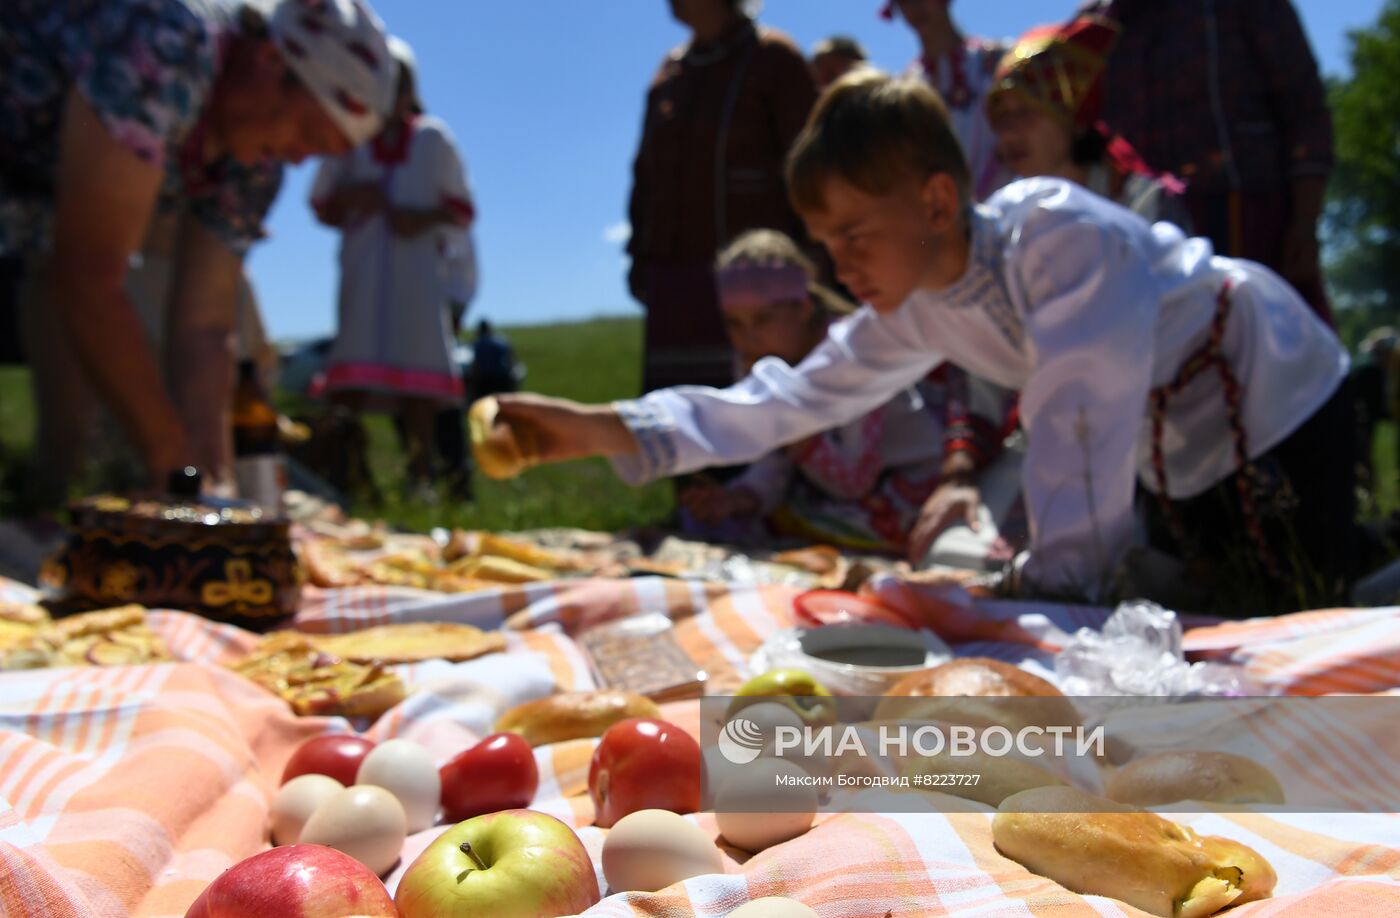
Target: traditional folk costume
860	485
1139	355
963	78
1060	70
395	337
720	119
1228	97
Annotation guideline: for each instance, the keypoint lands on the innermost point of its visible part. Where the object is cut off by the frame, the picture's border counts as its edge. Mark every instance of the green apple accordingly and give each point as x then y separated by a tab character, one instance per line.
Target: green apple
510	864
794	688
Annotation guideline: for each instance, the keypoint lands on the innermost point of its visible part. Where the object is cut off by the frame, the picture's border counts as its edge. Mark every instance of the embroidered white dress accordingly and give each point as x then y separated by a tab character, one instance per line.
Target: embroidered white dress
394	334
1084	308
963	78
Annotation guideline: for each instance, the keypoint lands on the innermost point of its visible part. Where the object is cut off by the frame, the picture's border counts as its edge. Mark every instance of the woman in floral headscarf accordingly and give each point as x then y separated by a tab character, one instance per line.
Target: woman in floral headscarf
111	109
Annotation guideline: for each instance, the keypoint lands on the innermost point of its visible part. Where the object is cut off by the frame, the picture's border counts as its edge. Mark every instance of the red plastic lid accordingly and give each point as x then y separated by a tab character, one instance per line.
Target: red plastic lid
818	608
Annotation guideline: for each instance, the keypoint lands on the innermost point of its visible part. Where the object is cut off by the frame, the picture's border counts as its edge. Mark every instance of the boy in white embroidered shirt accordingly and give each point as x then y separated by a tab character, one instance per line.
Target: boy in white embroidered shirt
1139	356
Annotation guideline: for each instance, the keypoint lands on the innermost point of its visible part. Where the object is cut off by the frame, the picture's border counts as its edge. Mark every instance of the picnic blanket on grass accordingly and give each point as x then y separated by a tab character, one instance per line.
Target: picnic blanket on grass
125	791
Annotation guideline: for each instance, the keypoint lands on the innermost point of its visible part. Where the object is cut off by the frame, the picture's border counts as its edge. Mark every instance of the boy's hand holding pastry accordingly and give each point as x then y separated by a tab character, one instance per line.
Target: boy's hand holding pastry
511	433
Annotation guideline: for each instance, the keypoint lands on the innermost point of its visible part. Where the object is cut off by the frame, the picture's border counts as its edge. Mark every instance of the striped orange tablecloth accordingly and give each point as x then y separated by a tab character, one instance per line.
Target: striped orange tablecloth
125	791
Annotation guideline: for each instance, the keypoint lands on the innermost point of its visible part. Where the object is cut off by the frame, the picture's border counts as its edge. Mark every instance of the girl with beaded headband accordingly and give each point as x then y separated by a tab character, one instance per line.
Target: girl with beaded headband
864	485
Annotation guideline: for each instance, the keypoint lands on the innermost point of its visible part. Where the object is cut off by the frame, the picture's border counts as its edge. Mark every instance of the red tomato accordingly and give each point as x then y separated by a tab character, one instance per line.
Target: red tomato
644	764
338	755
817	608
498	773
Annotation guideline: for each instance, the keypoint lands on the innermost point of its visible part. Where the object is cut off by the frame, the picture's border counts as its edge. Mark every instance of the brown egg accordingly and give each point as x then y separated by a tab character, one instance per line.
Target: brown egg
755	810
365	822
773	907
296	801
650	849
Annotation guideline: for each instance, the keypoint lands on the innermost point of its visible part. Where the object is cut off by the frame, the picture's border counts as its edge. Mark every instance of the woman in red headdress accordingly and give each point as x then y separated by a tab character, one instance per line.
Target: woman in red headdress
1044	108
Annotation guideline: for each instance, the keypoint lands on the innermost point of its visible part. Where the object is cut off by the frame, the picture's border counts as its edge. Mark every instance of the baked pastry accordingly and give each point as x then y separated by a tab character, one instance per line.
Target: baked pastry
499	451
109	637
312	681
1096	846
413	642
1215	777
573	715
944	692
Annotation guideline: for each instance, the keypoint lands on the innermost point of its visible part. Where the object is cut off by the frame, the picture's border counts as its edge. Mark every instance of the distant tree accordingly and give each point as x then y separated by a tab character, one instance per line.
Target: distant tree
1362	220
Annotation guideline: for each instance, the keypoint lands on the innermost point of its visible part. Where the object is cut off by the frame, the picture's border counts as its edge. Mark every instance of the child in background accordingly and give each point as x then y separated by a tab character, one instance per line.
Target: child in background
1044	108
834	57
1139	356
863	485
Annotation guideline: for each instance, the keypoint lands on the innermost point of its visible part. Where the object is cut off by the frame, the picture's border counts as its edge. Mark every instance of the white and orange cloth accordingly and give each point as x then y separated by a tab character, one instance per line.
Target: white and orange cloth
125	791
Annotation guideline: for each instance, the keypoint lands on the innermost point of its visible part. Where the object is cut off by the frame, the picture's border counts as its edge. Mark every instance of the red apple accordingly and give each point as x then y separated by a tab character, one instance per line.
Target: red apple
498	773
511	864
338	755
644	764
296	881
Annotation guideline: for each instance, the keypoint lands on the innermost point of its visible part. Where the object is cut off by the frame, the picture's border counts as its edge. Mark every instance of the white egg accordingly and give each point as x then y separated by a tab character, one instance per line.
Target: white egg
404	769
756	810
773	907
650	849
296	801
768	716
364	822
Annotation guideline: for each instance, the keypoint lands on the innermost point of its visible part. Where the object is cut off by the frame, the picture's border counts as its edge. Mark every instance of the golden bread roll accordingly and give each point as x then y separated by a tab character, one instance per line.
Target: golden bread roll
499	453
573	715
1096	846
948	687
1216	777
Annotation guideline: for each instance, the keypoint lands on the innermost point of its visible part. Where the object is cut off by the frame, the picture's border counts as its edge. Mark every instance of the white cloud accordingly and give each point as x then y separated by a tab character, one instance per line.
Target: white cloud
618	233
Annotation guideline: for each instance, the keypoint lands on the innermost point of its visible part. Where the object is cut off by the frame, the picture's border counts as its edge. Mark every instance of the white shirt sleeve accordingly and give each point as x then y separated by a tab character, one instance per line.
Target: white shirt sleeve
1091	313
862	363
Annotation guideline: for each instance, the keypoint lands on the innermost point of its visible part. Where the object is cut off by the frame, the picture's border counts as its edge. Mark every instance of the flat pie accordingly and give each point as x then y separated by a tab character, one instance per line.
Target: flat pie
413	642
314	682
108	637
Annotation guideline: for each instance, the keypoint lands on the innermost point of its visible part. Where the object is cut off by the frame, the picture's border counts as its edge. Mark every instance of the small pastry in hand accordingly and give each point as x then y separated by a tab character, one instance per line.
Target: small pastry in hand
573	715
1215	777
1095	846
498	451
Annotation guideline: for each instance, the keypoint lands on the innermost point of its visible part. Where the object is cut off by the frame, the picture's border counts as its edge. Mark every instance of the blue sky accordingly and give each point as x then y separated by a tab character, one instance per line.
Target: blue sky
545	97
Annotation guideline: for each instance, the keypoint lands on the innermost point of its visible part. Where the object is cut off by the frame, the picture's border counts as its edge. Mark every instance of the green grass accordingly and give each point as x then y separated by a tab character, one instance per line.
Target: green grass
595	361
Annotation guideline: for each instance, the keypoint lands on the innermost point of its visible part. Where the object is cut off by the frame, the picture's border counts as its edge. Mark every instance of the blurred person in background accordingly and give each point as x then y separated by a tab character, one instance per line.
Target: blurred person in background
834	57
398	200
721	114
962	70
1228	97
1045	109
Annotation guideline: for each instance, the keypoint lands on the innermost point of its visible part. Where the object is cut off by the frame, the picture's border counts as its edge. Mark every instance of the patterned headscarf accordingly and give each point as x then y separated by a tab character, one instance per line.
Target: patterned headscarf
340	52
1060	69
